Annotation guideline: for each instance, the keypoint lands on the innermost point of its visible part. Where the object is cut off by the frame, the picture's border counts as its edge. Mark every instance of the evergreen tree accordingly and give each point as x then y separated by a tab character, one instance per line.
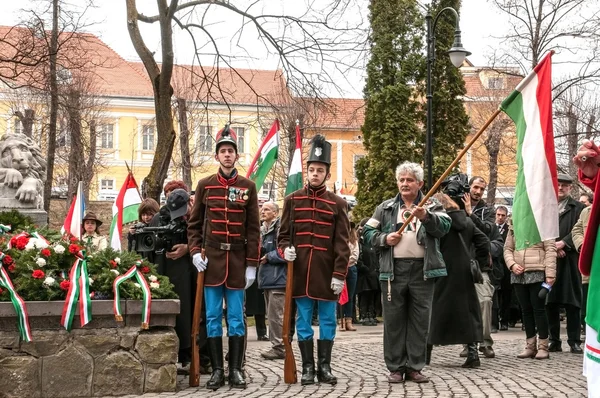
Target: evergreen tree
450	120
393	128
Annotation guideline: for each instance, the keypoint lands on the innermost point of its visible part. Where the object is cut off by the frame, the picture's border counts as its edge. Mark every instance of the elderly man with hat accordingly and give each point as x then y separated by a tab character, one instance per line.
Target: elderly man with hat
566	291
91	237
314	235
225	223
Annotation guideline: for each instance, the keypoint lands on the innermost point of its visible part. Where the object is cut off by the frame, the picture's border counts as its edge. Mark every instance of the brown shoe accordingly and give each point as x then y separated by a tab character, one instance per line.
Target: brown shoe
416	376
349	326
395	377
487	352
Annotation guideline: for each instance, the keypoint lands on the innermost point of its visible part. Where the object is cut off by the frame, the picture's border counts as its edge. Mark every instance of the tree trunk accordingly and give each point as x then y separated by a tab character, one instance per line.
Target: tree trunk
493	182
53	109
88	169
572	145
76	152
184	143
26	120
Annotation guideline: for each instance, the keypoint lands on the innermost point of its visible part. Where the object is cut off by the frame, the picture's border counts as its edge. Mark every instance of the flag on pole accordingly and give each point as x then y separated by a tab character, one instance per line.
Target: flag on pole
72	224
295	179
535	203
265	157
124	210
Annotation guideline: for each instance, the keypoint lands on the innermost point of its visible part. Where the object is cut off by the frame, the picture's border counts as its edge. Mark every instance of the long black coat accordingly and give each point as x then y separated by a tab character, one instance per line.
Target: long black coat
567	288
368	268
455	314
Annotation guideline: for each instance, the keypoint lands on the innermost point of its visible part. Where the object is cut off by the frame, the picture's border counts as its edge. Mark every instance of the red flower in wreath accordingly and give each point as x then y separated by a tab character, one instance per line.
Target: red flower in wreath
38	274
7	260
45	252
113	263
145	270
65	285
13	241
11	268
73	248
73	239
22	241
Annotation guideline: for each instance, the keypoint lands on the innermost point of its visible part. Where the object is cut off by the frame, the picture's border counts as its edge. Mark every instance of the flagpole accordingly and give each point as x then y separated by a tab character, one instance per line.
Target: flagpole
129	172
452	166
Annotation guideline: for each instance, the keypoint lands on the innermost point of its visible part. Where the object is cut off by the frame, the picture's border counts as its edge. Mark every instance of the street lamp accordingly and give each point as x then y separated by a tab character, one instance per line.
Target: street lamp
457	55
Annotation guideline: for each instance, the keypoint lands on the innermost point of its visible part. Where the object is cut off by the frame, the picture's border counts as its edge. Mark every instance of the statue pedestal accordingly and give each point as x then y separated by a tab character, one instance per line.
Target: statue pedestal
8	202
40	217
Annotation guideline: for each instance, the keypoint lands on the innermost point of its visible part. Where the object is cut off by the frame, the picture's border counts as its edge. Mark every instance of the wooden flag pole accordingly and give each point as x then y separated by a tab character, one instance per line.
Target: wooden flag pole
462	153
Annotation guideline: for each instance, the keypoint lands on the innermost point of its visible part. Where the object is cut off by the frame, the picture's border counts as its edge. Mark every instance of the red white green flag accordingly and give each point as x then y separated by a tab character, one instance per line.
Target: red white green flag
125	210
295	178
265	158
535	207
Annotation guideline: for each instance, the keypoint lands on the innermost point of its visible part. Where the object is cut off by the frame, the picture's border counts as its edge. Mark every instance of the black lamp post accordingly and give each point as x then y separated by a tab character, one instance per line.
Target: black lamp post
457	55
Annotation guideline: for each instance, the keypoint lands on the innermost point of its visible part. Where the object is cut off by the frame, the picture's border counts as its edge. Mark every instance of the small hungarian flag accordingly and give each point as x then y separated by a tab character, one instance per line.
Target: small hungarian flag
72	224
125	210
535	205
265	157
295	179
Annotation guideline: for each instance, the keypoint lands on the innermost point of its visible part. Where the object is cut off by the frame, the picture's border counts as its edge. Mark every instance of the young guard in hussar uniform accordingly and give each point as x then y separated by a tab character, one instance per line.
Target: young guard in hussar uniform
229	203
320	253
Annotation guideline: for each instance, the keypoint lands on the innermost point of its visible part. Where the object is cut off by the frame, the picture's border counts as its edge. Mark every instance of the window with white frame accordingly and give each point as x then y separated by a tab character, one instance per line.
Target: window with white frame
205	139
356	158
269	190
495	83
107	184
148	138
241	138
106	135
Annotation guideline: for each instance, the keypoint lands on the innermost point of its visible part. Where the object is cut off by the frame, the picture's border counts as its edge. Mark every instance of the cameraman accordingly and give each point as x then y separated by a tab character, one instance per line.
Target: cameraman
176	263
148	208
485	220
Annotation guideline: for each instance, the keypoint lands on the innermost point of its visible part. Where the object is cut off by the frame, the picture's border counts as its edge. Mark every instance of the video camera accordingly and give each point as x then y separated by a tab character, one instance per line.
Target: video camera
159	239
456	186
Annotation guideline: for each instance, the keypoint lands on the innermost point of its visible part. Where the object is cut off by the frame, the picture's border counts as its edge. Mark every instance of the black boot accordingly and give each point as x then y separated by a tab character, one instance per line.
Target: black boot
308	361
472	357
236	357
324	362
215	351
428	356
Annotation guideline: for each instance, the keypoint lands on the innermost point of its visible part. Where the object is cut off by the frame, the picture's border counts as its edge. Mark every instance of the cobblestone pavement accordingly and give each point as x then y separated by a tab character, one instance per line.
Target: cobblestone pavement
357	361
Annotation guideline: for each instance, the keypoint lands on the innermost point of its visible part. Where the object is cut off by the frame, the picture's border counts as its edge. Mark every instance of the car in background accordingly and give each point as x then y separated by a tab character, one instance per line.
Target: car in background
59	192
350	199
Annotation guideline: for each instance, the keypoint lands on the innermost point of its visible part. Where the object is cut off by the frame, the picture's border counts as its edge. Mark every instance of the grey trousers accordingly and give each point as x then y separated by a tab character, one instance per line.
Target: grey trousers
406	317
275	301
485	293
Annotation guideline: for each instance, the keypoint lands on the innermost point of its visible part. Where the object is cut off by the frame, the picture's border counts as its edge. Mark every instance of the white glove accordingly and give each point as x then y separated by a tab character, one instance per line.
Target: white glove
337	285
250	276
289	253
199	262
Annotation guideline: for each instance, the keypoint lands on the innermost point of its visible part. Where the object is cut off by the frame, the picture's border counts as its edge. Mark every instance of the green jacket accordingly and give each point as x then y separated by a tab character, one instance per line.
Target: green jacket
429	233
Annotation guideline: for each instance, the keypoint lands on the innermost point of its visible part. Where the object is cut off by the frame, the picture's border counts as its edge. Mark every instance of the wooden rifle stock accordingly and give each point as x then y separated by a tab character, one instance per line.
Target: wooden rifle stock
289	363
195	364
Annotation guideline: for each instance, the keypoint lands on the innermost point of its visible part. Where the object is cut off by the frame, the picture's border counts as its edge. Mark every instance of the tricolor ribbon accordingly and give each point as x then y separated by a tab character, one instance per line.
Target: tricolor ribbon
4	229
18	303
38	236
79	292
19	235
131	272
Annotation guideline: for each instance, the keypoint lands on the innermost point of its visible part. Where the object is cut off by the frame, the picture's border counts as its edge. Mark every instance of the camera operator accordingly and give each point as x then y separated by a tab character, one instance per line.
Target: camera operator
148	208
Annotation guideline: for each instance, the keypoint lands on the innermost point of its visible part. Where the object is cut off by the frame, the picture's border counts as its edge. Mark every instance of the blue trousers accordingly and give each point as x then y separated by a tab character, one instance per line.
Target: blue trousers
327	323
213	298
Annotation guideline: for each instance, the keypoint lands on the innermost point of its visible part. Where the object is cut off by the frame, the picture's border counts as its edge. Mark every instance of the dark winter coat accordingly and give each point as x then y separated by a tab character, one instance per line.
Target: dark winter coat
321	231
455	313
367	267
272	274
567	288
484	218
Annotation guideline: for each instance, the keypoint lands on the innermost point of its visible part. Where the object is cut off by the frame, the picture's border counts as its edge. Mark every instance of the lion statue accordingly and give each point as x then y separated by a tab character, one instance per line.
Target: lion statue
23	168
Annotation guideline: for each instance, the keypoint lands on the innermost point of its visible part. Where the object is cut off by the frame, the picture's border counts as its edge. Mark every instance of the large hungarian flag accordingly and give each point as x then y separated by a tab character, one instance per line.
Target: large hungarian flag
72	224
295	178
265	157
535	207
125	210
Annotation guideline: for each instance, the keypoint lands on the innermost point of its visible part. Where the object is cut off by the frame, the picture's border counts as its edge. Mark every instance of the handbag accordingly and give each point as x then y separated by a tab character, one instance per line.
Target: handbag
473	264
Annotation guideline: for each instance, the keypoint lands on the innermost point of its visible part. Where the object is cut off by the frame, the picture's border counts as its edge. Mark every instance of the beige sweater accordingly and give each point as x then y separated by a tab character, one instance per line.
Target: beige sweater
539	257
579	231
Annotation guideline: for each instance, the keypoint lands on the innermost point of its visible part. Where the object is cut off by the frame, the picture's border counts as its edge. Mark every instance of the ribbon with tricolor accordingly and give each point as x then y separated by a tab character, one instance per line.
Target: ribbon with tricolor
18	303
79	293
4	229
17	236
131	272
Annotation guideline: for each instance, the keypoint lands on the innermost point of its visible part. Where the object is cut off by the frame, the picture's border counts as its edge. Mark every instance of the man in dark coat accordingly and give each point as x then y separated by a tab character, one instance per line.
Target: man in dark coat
566	291
227	205
367	284
314	235
505	287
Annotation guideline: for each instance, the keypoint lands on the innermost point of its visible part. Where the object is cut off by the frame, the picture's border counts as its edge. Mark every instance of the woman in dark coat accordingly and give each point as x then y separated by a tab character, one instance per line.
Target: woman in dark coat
455	313
367	284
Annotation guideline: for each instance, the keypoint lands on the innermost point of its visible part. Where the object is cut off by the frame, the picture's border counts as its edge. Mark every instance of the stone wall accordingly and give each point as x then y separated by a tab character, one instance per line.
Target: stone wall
103	358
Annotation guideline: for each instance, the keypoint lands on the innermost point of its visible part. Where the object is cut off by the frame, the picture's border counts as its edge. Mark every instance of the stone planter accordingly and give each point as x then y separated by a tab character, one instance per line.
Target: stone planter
103	358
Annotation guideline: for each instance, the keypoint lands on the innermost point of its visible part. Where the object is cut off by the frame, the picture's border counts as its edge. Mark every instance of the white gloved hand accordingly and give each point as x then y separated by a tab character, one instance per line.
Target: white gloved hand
337	285
289	253
199	262
250	276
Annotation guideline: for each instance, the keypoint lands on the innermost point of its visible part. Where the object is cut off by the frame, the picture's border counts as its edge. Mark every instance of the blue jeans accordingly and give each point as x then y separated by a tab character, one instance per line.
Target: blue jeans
351	278
213	298
327	322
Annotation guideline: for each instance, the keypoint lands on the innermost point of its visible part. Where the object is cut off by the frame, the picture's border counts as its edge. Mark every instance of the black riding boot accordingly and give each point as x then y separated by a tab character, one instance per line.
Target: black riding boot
307	348
472	357
236	357
324	362
215	351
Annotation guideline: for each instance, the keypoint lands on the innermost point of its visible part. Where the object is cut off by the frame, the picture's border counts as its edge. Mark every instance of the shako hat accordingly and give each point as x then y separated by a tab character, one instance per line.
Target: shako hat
320	150
226	136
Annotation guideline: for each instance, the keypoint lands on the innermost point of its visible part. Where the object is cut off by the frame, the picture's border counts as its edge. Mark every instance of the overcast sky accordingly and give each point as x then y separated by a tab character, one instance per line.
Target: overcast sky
480	23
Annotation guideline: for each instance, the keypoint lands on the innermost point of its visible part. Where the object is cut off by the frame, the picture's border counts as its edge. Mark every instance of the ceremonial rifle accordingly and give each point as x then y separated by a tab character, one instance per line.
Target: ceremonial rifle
195	364
289	364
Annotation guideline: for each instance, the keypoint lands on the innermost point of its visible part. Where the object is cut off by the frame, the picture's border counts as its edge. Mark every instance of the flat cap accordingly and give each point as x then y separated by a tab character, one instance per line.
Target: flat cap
563	177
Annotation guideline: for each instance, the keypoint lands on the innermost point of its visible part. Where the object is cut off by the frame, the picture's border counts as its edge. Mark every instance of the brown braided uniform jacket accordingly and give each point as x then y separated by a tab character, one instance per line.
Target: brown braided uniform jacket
233	228
321	232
